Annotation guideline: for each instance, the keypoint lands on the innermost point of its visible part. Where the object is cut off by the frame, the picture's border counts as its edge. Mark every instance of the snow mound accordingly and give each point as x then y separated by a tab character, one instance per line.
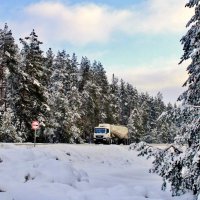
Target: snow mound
25	169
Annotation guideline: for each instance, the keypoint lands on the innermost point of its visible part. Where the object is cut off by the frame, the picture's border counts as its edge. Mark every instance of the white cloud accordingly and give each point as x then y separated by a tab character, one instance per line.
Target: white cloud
86	23
156	16
80	24
163	75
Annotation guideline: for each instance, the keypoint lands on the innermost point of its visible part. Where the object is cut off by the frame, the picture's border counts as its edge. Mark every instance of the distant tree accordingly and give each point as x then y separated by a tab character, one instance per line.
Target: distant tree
114	103
48	63
74	72
85	73
132	98
124	111
135	126
99	78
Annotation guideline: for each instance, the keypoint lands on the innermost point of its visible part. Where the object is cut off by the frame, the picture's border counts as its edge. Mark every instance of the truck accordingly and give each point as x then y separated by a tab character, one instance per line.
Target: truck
111	134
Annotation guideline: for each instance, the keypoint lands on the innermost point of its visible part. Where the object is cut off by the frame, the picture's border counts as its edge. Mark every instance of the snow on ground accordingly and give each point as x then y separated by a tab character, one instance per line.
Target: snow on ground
77	172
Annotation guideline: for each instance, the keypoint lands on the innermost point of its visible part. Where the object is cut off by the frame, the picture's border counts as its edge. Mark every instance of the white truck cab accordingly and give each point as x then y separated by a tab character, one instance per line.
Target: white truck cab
102	133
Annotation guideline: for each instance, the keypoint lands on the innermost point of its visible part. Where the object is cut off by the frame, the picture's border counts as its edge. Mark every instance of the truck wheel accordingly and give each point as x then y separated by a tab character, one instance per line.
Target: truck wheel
119	141
109	141
124	142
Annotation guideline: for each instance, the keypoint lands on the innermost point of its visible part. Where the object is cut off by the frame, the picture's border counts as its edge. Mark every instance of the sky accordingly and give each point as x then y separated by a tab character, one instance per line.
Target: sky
137	40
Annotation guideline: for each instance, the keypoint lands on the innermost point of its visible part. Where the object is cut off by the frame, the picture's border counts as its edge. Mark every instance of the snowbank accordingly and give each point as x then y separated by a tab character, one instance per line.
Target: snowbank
32	173
77	172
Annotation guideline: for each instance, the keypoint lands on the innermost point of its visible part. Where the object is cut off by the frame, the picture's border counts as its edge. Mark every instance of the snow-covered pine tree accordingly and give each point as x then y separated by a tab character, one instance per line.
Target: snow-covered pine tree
132	98
145	111
165	127
9	62
75	103
114	103
156	127
159	104
74	75
85	72
135	126
151	108
58	99
99	78
191	101
49	61
93	99
124	111
48	70
32	101
73	124
88	118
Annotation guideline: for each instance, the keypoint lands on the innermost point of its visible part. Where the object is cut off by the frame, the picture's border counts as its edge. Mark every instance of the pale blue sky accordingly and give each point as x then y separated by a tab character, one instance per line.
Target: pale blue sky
138	40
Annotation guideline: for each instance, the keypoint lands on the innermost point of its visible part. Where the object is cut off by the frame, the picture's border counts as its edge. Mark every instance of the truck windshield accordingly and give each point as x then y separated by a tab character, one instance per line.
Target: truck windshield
100	130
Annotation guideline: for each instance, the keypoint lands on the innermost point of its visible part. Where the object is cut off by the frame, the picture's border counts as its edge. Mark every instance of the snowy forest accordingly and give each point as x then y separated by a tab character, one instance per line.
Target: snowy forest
69	98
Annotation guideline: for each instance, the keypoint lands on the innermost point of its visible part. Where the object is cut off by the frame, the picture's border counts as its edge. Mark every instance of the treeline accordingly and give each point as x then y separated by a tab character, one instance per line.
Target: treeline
69	98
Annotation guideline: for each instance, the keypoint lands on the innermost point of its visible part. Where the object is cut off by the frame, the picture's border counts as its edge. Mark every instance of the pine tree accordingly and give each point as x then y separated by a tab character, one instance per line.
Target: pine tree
124	111
75	103
32	102
93	86
74	116
132	98
74	75
9	62
114	103
99	79
48	63
58	101
85	73
145	101
135	126
191	98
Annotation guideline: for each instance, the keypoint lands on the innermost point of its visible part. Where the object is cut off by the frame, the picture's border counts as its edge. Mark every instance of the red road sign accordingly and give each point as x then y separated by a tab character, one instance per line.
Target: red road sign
35	125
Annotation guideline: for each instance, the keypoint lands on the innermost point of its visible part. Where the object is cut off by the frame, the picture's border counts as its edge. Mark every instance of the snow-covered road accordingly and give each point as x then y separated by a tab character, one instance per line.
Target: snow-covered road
77	172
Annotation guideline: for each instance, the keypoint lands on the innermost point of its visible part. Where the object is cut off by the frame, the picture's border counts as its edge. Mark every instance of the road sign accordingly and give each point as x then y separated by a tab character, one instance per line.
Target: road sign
35	125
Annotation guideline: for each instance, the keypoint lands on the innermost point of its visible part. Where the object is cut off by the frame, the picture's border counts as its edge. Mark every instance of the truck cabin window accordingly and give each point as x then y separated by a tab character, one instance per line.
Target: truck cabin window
100	130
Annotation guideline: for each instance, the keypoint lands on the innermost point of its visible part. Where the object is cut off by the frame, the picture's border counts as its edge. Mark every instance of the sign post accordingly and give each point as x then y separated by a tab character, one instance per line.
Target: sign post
35	125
